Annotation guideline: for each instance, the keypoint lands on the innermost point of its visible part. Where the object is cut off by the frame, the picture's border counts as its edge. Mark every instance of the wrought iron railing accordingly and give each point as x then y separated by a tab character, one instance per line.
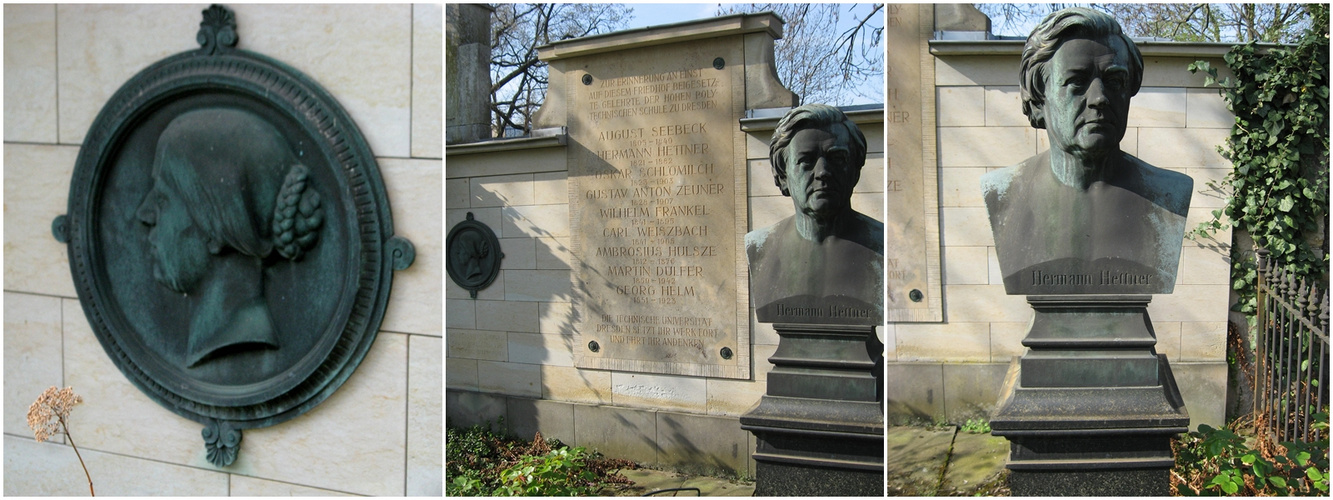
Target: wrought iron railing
1291	369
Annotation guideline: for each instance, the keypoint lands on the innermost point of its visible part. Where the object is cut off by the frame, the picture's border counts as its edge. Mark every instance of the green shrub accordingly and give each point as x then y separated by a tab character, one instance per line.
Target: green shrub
1219	462
480	461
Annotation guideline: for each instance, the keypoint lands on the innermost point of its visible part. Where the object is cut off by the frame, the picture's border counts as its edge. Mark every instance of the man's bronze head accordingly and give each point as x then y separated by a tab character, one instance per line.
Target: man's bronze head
1046	39
817	154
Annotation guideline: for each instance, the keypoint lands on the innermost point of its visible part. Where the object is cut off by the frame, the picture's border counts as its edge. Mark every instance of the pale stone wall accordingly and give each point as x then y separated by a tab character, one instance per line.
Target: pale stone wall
377	435
953	370
509	352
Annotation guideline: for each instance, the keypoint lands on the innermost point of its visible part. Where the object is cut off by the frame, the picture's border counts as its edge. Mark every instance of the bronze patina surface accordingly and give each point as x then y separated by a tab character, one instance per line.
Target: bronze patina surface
230	237
825	263
1085	217
473	255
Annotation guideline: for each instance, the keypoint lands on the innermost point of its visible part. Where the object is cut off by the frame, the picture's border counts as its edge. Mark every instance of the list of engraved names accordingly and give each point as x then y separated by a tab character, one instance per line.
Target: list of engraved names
654	206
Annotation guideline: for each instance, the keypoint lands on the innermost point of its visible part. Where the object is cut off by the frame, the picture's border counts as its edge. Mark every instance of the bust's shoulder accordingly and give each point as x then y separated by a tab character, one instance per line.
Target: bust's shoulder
868	232
1168	188
997	183
758	239
1160	177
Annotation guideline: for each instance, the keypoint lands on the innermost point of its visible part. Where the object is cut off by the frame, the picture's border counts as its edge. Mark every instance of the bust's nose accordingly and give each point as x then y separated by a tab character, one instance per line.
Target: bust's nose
1096	93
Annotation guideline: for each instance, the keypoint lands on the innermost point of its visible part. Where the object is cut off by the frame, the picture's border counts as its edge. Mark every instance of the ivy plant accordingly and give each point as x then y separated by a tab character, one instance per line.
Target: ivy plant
1214	462
1279	149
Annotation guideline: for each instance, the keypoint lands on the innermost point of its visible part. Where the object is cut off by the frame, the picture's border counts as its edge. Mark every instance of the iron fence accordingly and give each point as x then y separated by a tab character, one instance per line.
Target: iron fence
1291	372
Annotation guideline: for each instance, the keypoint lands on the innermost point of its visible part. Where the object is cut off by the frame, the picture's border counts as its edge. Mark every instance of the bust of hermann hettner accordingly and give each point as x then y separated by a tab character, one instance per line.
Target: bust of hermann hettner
1084	217
825	263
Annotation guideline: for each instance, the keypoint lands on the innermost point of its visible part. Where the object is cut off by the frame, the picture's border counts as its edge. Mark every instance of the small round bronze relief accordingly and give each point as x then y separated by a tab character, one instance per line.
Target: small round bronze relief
474	255
230	237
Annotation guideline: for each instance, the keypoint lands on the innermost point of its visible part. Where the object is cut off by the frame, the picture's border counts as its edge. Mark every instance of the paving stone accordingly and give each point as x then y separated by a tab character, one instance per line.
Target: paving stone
650	480
915	458
975	462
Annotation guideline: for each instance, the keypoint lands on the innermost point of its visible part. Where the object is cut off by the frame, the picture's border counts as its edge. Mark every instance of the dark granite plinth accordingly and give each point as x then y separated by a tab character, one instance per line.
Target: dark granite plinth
820	426
777	479
1118	482
1091	408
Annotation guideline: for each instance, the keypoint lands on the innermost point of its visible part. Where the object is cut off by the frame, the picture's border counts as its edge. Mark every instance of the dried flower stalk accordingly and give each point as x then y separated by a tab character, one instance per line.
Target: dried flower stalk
48	416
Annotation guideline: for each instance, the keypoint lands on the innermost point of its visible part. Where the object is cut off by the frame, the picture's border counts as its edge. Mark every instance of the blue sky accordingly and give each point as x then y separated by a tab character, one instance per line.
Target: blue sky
655	14
652	14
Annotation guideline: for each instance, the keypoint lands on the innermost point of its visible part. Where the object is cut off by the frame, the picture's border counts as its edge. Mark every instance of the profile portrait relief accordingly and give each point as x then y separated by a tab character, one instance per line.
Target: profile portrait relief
823	264
1084	216
228	200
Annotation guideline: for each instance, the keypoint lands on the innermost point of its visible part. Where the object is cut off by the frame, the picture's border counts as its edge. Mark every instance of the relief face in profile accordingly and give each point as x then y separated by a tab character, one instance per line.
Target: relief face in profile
824	264
228	199
1084	217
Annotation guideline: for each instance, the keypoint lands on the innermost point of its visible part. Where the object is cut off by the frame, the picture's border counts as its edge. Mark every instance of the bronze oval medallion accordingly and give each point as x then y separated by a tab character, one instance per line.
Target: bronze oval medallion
474	255
230	237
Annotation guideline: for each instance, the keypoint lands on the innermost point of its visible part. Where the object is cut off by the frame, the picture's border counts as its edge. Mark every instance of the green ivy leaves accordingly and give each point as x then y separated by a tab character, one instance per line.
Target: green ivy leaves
1219	462
1279	148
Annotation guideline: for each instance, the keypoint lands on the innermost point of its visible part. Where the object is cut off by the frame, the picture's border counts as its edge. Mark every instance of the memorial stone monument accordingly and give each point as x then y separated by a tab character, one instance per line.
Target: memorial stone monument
657	189
912	204
818	276
1087	231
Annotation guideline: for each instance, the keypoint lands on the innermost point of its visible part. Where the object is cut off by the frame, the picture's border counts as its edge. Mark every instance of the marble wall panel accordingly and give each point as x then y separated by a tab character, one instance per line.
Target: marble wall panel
986	146
519	253
961	106
33	358
1207	109
966	266
242	486
502	190
1158	107
425	412
378	37
46	469
566	383
427	89
927	342
30	73
514	379
1006	341
101	46
414	194
734	397
36	191
539	349
1004	107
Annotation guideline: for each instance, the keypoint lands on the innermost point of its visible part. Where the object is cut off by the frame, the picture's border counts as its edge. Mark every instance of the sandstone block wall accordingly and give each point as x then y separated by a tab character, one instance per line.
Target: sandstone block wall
380	433
509	352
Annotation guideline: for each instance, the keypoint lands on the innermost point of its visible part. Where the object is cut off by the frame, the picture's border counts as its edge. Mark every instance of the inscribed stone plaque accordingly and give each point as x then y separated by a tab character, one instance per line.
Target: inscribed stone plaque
912	249
657	209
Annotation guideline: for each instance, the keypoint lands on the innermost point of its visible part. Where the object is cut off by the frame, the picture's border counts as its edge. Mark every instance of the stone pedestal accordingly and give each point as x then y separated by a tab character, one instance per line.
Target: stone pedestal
1091	408
820	425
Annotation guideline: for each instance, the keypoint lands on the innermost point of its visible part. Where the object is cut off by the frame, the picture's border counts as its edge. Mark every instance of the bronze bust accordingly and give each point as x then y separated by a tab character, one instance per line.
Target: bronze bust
825	263
1084	217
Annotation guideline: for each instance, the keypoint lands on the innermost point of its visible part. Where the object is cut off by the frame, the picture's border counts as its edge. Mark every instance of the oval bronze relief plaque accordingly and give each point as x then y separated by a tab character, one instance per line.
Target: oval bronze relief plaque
230	237
473	255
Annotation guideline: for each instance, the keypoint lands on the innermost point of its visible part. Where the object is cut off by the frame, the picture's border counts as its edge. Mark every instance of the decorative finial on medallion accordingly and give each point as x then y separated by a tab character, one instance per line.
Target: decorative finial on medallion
217	31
